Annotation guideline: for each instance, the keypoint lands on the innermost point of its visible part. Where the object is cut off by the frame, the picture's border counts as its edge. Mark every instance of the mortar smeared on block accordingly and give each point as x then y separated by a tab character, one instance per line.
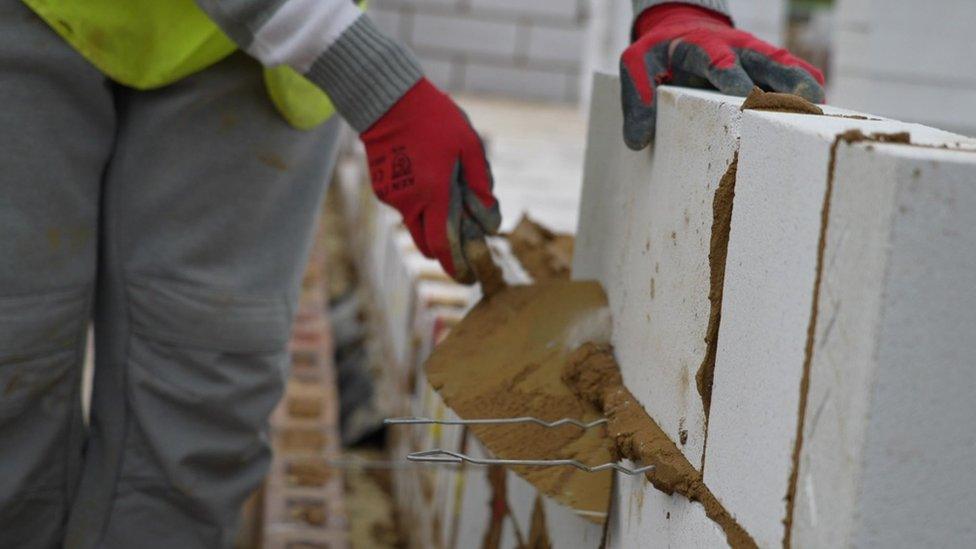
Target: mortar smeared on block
544	351
593	374
506	358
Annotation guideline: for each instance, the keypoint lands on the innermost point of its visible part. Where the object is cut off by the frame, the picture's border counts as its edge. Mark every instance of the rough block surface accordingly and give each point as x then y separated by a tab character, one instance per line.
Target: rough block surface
769	279
899	313
645	232
887	382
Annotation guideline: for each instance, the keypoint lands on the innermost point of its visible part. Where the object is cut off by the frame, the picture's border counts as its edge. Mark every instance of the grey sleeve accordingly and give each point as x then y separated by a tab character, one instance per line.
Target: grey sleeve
720	6
331	42
365	73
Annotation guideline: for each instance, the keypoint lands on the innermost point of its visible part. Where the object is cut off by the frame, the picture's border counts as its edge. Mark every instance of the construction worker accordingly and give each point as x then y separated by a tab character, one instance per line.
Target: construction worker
160	185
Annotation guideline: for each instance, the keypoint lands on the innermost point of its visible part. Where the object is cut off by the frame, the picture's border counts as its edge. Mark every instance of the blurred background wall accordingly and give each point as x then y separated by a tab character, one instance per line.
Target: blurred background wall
905	59
908	59
514	48
543	50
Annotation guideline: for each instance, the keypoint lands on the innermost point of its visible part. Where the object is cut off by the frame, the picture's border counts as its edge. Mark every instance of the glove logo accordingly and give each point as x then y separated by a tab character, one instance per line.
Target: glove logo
378	175
428	162
402	169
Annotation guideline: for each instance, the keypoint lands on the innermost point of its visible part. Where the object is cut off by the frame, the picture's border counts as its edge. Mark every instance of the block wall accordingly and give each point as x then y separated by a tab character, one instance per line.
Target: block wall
910	267
839	362
907	59
524	50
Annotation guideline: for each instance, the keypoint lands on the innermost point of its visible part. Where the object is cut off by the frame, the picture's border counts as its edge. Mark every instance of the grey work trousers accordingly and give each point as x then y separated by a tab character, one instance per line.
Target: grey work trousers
177	223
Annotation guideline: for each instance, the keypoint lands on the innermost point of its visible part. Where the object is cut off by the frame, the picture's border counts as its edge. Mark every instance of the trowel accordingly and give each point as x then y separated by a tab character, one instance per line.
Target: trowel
506	358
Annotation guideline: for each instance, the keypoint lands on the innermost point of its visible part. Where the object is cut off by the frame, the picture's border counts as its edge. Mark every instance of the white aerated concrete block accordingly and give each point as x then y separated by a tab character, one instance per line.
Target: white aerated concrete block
661	313
643	517
769	279
470	526
889	443
768	288
567	529
889	448
476	501
520	497
655	208
645	231
598	253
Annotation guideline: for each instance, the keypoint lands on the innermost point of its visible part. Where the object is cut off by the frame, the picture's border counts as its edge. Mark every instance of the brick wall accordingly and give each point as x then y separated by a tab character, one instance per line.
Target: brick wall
514	48
303	502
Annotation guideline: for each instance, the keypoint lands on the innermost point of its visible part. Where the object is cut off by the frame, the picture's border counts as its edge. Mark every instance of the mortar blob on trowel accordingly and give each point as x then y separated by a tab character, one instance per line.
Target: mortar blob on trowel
505	359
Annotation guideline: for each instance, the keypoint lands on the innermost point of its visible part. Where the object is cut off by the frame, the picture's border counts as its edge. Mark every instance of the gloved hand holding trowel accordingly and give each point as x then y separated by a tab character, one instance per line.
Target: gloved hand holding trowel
428	162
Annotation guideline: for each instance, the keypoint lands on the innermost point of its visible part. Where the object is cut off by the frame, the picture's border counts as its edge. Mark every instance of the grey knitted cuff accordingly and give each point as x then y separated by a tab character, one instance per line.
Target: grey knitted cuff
720	6
364	73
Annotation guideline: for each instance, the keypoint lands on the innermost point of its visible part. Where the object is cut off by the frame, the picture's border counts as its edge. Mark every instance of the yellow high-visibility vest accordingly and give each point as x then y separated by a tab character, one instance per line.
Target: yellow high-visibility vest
146	44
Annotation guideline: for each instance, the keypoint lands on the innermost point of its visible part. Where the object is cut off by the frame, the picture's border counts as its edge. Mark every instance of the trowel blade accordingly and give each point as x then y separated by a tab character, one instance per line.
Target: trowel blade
506	359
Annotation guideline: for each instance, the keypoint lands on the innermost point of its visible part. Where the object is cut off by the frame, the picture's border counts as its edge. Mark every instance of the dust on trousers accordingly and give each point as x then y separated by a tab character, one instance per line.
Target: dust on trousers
176	222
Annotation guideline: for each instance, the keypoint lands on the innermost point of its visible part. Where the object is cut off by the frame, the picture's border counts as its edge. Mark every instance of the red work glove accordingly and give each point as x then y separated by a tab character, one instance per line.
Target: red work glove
690	45
426	161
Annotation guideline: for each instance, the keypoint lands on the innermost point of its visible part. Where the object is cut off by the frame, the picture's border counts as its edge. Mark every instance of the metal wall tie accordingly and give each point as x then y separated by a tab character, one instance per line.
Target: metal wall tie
496	421
447	456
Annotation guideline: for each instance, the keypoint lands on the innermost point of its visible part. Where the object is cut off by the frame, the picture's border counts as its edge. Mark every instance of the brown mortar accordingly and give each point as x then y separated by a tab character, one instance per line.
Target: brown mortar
779	102
544	254
305	406
853	117
497	507
301	440
717	254
308	473
312	513
506	360
593	373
